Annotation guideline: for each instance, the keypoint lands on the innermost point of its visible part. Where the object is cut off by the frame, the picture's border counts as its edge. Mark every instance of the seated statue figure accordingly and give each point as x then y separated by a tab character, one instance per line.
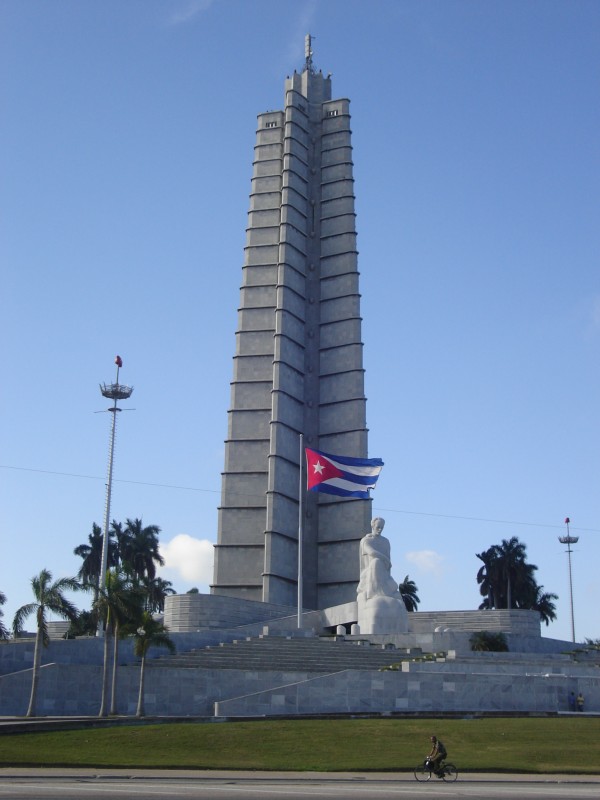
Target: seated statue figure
380	605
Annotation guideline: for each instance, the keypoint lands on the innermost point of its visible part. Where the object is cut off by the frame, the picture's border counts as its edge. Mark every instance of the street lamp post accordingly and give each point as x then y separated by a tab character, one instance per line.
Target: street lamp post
569	540
114	391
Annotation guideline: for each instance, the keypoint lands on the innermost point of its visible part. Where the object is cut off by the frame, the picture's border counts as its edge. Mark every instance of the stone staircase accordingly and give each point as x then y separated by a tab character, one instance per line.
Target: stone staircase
288	654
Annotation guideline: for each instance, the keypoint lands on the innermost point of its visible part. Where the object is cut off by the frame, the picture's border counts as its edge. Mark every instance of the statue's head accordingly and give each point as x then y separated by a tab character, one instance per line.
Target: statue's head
377	525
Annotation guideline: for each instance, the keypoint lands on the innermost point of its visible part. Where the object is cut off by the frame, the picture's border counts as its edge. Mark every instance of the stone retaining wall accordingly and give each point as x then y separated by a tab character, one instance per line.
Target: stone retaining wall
423	687
353	692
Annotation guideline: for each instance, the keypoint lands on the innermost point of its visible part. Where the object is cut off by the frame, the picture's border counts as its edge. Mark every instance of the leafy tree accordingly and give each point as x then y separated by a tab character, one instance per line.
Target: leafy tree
486	641
193	590
150	633
118	604
49	597
408	590
3	630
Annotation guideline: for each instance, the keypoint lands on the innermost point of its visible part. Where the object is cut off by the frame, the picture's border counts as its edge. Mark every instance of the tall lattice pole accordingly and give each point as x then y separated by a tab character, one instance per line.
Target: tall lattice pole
569	540
115	391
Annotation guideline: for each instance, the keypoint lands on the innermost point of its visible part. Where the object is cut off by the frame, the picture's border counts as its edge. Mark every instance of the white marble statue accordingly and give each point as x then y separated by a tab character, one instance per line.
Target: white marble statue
381	609
375	564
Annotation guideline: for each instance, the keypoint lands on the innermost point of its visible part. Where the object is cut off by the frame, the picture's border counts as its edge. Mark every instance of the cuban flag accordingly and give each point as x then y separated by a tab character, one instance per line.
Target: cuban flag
341	475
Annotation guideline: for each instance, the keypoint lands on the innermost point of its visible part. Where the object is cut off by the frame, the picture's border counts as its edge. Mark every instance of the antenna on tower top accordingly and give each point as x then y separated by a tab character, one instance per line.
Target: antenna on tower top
308	52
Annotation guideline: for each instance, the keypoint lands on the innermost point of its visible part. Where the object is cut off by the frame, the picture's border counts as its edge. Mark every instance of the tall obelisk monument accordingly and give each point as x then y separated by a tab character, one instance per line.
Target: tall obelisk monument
298	366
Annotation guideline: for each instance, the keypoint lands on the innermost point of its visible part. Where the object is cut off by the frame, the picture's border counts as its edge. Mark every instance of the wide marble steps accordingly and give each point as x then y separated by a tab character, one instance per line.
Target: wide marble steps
287	654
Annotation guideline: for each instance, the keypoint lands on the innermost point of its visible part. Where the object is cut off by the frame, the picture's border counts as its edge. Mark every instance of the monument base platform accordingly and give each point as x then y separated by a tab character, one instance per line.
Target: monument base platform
245	658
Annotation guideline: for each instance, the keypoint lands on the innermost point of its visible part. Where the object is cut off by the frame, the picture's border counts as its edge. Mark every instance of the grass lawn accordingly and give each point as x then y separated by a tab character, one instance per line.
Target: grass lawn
546	745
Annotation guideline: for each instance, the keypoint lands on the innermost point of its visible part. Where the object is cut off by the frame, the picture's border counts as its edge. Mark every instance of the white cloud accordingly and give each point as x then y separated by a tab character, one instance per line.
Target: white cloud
188	11
426	561
191	559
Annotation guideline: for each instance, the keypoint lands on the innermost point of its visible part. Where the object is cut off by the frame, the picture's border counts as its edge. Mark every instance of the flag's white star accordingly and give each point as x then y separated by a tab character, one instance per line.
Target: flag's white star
318	468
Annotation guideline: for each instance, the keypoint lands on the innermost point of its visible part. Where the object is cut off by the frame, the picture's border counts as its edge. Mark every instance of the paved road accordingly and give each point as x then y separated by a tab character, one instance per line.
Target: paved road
234	786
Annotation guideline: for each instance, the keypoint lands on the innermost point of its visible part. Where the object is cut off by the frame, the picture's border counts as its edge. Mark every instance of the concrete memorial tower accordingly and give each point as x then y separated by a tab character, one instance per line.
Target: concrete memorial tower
298	366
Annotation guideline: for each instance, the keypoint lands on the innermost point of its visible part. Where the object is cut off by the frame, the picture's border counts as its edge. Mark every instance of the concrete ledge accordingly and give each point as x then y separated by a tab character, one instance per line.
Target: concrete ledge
185	613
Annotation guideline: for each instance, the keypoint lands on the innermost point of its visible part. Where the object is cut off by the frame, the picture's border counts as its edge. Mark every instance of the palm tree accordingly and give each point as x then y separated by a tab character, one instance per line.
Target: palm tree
150	633
488	577
86	624
543	603
117	604
49	597
138	548
91	553
3	630
525	586
156	591
512	556
505	575
116	530
506	580
408	590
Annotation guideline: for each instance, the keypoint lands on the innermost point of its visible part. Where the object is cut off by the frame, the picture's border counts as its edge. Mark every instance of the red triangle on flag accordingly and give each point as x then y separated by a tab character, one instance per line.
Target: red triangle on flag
319	469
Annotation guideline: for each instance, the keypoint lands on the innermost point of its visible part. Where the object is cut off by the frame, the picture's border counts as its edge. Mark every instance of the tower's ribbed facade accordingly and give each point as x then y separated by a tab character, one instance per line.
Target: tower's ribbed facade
298	364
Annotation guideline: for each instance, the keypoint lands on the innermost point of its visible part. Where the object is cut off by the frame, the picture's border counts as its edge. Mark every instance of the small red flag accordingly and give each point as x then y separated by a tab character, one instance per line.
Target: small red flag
119	361
567	520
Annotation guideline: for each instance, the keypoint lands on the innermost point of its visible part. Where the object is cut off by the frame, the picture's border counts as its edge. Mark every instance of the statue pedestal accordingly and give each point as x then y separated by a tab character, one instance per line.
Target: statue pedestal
382	615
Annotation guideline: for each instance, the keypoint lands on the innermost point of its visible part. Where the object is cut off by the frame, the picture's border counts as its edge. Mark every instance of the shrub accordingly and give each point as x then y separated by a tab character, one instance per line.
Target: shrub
485	641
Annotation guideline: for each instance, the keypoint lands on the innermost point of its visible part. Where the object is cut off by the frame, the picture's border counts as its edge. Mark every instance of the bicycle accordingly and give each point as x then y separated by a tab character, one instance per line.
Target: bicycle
447	772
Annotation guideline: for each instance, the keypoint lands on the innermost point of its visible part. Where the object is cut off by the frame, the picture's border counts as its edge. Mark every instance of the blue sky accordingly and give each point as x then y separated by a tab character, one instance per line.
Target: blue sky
126	141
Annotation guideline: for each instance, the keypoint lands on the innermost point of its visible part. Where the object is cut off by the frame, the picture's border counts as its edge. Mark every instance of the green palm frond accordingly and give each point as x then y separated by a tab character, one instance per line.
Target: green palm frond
3	630
21	615
408	591
151	633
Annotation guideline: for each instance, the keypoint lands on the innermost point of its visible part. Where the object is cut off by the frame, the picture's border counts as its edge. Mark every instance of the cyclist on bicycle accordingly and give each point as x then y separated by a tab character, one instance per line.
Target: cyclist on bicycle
437	754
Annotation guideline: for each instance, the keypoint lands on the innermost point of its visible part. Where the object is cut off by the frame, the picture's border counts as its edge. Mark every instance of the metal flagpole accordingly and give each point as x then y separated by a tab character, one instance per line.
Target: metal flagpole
300	526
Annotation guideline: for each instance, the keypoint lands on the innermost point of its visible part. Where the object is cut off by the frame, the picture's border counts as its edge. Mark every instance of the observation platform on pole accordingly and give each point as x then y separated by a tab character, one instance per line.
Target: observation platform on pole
116	391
